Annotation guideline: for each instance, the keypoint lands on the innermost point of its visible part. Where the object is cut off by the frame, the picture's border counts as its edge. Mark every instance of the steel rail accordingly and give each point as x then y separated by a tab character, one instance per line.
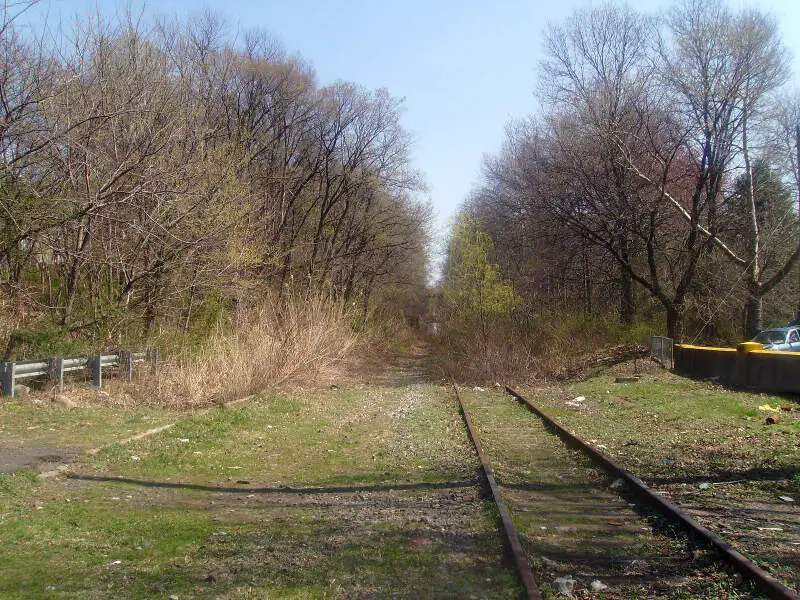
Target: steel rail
765	582
509	529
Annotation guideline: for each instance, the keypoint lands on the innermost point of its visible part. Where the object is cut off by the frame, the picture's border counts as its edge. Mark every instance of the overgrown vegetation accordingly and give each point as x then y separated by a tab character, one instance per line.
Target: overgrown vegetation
163	180
308	341
656	187
490	333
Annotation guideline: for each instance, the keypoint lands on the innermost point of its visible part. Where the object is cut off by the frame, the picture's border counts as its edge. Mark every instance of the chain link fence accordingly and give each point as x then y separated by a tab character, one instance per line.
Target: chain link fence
661	350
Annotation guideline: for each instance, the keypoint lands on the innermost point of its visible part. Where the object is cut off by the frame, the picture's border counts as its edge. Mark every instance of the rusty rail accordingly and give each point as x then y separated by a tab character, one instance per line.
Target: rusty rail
509	529
765	582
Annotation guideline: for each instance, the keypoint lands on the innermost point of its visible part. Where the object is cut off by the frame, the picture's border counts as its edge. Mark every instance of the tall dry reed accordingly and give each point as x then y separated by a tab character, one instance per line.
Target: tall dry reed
281	344
530	349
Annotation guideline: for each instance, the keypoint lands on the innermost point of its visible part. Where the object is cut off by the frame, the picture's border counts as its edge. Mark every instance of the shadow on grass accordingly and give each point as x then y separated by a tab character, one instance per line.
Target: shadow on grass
282	489
376	546
729	476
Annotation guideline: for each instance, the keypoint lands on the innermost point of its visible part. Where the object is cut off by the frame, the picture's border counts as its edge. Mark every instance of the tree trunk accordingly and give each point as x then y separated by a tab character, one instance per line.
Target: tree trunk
188	319
752	319
587	281
675	323
627	310
81	246
367	293
753	311
797	149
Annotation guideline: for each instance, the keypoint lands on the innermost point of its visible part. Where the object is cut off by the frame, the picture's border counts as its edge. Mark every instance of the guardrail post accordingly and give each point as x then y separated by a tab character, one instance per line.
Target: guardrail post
126	364
57	373
7	376
152	355
96	366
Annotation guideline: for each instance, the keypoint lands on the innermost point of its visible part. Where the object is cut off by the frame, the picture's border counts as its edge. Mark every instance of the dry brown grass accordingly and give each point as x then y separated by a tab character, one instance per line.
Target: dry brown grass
472	358
527	351
283	344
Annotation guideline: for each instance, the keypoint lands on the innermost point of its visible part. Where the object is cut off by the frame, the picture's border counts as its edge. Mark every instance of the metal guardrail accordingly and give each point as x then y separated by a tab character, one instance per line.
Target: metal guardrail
661	350
55	368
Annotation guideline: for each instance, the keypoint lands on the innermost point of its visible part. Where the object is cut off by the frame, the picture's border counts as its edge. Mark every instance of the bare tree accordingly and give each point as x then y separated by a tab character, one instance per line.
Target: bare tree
595	73
787	145
637	150
717	69
151	168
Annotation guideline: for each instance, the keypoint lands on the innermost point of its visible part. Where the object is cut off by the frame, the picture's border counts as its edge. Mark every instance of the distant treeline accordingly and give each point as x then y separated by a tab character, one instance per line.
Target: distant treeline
658	181
157	171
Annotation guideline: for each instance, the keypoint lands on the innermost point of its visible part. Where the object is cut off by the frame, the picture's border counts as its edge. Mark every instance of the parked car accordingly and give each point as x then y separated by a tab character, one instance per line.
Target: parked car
786	339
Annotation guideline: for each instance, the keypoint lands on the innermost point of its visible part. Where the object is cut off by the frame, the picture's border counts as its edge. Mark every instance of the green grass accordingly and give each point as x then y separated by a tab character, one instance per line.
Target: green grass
79	428
210	517
699	429
333	437
59	544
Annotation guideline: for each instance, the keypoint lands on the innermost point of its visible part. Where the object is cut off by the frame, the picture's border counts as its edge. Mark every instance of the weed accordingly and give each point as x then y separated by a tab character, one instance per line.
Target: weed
282	344
527	348
338	493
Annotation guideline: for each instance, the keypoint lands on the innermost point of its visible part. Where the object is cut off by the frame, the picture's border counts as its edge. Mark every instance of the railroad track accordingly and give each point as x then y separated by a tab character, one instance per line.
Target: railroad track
532	502
509	530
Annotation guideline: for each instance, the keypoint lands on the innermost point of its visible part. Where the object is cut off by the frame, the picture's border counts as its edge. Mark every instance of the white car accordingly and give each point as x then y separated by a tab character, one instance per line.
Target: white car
786	339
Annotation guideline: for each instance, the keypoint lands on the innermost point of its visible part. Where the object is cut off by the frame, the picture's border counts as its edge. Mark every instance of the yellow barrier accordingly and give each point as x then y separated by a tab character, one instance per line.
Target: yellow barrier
746	366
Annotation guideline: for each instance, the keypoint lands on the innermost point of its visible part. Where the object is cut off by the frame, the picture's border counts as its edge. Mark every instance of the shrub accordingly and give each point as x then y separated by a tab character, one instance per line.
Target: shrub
283	343
524	348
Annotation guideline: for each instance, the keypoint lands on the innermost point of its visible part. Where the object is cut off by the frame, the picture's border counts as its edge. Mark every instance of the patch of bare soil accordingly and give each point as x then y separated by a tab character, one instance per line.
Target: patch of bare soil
34	455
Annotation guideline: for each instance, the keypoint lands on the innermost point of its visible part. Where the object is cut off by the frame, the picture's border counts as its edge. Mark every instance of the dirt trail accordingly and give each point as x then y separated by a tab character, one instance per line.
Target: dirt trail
401	369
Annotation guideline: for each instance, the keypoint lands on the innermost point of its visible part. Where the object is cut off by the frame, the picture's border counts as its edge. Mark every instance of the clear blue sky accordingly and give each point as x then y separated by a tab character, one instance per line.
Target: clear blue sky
464	67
